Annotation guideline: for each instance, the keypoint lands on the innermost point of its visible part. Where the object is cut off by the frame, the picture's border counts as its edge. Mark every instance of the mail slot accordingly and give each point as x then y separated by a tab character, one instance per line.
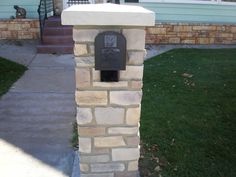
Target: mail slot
110	51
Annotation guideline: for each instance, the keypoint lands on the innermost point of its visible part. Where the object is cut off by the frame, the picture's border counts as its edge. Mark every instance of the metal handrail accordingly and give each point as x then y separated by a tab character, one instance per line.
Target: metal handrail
45	9
75	2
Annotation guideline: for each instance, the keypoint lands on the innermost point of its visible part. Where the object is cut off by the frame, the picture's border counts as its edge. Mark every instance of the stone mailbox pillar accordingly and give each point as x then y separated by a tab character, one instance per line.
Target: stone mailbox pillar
108	113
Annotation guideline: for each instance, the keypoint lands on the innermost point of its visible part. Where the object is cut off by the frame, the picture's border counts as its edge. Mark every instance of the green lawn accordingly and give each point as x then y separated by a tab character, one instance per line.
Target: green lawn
188	122
9	73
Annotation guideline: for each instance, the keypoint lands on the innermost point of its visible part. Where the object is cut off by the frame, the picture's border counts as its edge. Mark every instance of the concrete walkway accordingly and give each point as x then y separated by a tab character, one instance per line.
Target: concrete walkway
37	114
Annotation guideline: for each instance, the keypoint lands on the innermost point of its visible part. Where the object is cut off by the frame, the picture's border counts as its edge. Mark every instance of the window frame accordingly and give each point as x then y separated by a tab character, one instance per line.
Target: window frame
216	2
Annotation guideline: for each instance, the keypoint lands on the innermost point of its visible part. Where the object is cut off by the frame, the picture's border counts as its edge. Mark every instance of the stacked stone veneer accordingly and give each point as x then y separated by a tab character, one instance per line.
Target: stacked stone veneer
19	29
187	33
108	113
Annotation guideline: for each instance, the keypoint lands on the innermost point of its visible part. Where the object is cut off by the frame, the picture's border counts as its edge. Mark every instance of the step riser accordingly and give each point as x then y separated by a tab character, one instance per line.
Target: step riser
58	31
49	23
57	41
59	50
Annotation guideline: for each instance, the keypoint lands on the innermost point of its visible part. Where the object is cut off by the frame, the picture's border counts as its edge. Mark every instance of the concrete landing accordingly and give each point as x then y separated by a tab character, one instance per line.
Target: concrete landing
36	118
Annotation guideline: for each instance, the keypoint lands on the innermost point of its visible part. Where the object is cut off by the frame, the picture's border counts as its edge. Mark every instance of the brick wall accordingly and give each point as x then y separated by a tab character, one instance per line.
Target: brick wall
184	33
19	29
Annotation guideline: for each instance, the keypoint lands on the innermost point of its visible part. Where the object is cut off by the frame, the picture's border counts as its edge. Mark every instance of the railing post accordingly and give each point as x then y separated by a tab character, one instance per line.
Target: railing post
53	7
45	7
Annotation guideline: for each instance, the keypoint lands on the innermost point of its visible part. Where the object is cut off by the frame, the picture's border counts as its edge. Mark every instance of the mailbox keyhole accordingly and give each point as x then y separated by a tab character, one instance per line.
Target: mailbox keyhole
109	76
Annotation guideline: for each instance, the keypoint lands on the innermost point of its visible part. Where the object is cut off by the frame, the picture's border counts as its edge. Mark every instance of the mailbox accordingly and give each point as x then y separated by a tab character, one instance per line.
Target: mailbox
110	51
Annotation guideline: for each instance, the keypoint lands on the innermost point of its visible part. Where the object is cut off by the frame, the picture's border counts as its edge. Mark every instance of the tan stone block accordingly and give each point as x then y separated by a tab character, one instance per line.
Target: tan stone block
107	167
109	85
96	75
85	61
226	35
109	115
91	49
204	28
24	35
125	97
156	30
160	31
133	166
94	158
88	98
85	145
13	27
3	25
233	29
34	30
101	150
80	49
136	84
123	154
133	116
220	28
91	131
97	175
84	167
212	41
188	41
123	130
127	174
84	35
135	57
182	28
14	35
132	73
25	26
6	35
185	34
174	40
34	24
203	40
135	38
133	140
111	141
83	77
84	116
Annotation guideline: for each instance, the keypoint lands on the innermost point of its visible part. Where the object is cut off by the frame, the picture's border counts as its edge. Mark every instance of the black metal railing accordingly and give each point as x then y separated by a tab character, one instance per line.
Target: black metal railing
74	2
45	10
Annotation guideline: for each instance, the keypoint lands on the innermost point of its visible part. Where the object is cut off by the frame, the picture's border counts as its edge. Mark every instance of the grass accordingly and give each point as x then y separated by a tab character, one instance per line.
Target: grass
74	139
188	121
9	73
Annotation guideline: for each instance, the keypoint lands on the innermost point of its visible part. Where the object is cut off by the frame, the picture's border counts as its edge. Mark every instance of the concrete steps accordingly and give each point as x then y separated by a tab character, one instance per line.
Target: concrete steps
56	39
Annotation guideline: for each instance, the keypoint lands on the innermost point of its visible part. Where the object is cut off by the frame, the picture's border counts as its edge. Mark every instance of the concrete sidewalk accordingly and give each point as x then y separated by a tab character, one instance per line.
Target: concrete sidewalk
37	114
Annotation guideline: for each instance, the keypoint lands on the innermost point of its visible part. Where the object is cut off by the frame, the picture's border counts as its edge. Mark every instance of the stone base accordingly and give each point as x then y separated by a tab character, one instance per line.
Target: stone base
76	170
19	29
186	33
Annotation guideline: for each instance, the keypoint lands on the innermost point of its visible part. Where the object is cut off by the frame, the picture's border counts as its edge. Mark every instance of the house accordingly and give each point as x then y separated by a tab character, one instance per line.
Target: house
178	21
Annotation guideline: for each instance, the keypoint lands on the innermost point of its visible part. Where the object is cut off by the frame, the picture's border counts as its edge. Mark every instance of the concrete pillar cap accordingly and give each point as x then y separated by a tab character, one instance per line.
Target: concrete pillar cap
107	15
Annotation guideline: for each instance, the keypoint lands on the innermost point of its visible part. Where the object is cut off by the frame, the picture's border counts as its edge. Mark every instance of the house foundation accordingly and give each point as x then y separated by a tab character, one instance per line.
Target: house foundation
19	29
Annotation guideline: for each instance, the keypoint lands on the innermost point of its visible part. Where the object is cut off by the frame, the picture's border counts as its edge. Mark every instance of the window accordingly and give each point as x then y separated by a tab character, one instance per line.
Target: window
132	1
229	2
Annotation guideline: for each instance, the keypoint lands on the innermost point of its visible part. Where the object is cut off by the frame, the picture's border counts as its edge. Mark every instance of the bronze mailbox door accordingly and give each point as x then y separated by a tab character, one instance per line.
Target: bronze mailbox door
110	51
